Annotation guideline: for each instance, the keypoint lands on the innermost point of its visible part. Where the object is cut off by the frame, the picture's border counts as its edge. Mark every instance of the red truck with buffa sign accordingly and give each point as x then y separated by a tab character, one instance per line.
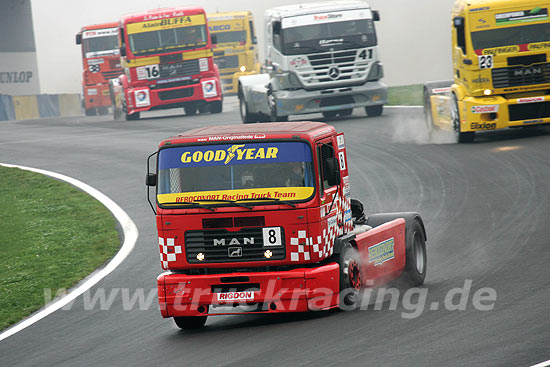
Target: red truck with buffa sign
101	62
168	63
259	219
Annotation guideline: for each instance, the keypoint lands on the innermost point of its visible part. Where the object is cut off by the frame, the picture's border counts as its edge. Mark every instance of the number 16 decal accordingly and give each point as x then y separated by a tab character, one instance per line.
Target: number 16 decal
485	61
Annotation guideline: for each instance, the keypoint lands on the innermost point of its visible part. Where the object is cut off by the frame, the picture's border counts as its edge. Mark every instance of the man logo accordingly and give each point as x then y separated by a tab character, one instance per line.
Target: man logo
333	73
235	251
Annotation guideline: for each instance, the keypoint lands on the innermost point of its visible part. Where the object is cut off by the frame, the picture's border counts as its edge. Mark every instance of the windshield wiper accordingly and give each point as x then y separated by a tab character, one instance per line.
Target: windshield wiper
355	44
194	204
263	198
228	201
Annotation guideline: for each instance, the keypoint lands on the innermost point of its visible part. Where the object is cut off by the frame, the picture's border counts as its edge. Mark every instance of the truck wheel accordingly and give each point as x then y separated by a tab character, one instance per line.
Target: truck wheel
216	107
373	111
190	322
346	112
246	116
415	264
460	137
330	114
190	109
428	112
133	117
90	112
102	110
279	118
350	276
204	108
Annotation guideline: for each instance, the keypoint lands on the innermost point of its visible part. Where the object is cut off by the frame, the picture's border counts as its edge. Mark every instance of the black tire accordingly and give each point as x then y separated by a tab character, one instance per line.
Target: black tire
216	107
346	112
133	117
460	137
102	110
279	118
350	277
272	104
204	108
416	259
90	111
190	109
373	111
330	114
190	322
246	116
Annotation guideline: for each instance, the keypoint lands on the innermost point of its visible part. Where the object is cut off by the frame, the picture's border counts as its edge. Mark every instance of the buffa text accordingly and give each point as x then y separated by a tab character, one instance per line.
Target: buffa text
10	77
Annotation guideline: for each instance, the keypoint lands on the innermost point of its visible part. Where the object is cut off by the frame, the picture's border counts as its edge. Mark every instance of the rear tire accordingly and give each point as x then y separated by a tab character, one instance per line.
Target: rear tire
133	117
204	108
346	112
350	277
415	265
373	111
190	322
330	114
246	116
90	111
190	110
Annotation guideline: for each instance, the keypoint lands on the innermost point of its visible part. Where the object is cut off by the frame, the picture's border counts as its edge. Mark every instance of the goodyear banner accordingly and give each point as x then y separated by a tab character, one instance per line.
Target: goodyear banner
168	23
233	154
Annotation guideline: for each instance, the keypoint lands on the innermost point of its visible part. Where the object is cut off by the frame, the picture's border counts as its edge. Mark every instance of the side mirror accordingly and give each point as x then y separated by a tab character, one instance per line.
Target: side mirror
254	40
123	51
375	15
151	179
332	171
78	38
458	22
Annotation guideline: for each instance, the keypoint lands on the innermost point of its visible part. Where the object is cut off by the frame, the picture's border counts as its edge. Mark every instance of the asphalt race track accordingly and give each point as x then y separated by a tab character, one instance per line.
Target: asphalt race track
486	206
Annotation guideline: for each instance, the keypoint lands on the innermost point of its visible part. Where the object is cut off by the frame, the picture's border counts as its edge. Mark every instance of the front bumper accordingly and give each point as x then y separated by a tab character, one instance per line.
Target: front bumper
299	102
296	290
146	99
498	112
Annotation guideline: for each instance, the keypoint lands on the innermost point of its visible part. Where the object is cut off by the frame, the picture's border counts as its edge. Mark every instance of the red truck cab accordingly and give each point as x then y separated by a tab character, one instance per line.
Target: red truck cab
101	62
168	63
261	215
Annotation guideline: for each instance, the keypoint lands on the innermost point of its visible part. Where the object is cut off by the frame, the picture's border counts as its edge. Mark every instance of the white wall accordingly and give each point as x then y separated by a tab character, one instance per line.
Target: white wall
414	35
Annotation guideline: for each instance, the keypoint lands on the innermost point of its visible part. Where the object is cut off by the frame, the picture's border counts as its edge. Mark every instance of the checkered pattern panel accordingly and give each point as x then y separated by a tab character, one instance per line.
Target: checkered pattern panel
168	251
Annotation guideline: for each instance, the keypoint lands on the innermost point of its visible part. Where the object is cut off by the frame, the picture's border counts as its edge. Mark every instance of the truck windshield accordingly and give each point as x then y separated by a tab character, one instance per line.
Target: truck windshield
167	35
322	37
520	35
100	42
244	172
229	37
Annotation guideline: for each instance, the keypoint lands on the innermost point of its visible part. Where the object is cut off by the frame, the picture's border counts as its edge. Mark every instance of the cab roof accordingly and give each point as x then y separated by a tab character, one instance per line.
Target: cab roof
308	130
165	12
228	14
499	4
315	7
92	27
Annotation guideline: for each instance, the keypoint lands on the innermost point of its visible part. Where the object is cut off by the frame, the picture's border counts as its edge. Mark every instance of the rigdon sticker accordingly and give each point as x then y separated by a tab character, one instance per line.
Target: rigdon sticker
381	252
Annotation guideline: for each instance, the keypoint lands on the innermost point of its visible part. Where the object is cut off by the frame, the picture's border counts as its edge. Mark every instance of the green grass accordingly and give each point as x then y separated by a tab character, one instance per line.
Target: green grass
406	95
51	236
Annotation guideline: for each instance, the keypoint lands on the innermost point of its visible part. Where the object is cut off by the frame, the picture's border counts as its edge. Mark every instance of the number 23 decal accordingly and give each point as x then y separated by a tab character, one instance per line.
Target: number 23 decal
485	61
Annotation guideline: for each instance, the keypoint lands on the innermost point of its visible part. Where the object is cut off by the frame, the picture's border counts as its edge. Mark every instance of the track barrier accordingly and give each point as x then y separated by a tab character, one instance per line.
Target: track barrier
39	106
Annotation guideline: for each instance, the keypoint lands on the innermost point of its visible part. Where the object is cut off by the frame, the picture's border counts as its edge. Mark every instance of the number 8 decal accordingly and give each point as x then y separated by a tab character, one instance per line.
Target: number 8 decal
272	236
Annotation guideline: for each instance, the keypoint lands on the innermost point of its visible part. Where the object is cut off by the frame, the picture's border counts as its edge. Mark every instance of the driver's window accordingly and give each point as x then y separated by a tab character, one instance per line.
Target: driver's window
324	150
277	35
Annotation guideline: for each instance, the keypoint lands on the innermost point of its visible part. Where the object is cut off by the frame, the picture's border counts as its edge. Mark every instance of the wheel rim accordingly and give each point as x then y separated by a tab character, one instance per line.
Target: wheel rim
354	275
242	108
419	254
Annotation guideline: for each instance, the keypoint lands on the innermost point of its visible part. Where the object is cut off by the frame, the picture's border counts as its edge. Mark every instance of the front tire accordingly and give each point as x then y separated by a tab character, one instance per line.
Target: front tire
374	111
460	137
350	277
416	258
329	114
246	116
133	117
190	110
90	111
190	322
216	107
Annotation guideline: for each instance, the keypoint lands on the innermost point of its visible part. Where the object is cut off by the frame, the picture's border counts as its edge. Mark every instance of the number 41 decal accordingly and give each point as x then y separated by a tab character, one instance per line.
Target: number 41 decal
485	61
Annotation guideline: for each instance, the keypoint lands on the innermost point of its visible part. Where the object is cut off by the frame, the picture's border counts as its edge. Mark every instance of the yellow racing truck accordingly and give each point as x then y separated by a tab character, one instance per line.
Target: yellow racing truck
501	65
235	47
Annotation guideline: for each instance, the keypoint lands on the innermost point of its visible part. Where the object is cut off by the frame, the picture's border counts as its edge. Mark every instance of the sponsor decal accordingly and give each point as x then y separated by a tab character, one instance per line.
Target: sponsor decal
342	159
218	28
237	152
480	80
530	100
171	80
533	70
96	61
533	15
533	121
203	64
331	222
341	142
331	42
142	98
538	46
209	89
15	77
168	23
479	9
310	19
501	50
483	126
92	92
233	241
100	33
236	296
298	62
381	252
485	109
347	215
283	193
232	137
441	90
328	16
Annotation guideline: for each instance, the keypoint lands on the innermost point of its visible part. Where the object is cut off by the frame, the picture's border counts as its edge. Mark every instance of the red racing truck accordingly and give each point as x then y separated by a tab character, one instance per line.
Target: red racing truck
259	217
168	63
101	62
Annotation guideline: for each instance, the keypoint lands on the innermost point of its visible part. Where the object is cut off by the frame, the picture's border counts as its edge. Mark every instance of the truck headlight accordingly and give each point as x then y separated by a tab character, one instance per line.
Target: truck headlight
243	69
487	92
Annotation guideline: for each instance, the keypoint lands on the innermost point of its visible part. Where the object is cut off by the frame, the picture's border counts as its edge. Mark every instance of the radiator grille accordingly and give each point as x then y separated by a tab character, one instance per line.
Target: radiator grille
227	62
519	75
185	68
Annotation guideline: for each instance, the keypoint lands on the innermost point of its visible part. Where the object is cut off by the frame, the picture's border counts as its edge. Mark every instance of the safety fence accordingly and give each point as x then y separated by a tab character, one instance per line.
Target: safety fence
39	106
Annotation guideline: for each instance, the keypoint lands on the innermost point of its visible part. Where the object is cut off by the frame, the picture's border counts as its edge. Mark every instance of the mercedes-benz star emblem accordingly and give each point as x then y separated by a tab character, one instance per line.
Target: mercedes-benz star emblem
333	73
